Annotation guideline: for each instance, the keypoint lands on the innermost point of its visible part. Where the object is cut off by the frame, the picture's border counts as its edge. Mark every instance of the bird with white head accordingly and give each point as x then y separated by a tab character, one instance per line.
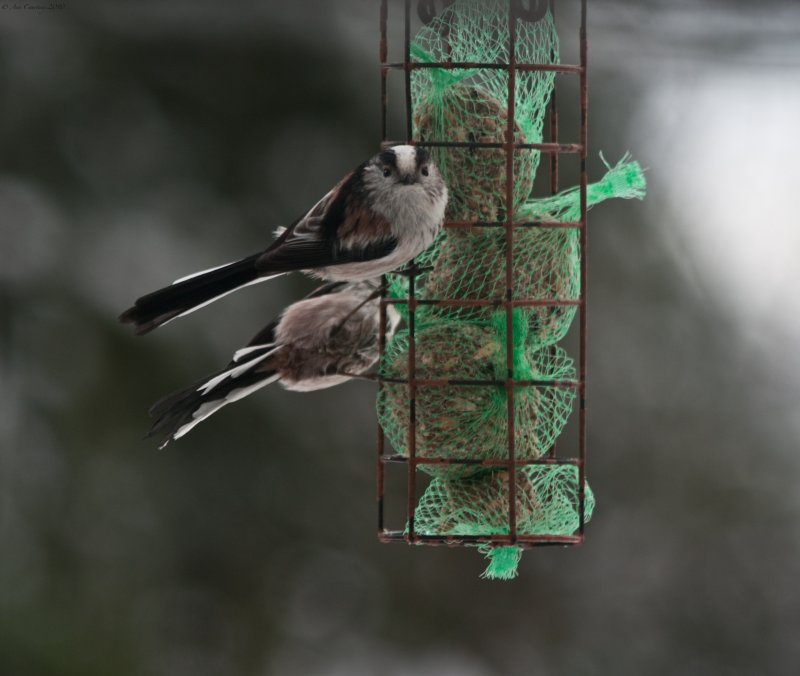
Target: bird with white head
375	220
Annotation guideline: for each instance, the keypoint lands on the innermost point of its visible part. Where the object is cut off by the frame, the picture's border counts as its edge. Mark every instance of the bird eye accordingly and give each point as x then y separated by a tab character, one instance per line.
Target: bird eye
387	172
424	171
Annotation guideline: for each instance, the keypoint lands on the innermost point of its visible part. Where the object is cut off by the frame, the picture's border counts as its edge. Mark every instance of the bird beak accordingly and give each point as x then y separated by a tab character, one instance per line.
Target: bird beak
409	179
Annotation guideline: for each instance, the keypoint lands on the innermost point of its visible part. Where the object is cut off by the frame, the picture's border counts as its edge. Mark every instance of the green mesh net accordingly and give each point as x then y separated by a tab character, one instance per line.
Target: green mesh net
470	423
472	265
547	503
472	105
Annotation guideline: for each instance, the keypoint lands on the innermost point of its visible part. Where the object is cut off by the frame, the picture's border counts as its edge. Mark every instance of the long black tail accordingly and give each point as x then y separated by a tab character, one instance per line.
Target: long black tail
191	293
179	412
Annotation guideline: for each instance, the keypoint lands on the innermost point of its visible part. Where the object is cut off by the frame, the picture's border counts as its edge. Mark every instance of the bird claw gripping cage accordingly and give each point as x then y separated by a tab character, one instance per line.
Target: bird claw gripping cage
474	393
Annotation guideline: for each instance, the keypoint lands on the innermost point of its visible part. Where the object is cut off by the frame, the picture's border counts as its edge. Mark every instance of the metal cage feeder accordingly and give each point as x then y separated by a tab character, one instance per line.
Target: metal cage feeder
552	148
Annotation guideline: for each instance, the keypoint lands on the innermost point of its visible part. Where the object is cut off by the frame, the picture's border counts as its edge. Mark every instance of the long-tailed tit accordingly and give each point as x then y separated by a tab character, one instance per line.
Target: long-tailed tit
375	220
320	341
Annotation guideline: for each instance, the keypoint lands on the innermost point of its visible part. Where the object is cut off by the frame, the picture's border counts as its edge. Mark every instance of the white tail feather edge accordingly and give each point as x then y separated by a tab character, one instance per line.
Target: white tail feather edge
210	407
235	372
257	280
248	350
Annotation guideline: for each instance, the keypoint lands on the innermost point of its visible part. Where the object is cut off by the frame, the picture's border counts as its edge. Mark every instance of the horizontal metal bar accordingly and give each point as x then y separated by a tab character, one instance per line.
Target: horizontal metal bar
523	541
500	464
453	382
546	225
472	302
561	148
477	65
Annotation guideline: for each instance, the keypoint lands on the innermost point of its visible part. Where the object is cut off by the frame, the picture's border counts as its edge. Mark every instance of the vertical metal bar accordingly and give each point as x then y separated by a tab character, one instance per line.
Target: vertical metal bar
381	434
407	64
412	408
554	168
412	307
384	57
554	157
384	54
509	225
584	85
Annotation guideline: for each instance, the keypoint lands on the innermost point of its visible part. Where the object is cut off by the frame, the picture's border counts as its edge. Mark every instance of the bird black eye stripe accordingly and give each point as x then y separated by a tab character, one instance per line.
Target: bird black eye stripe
422	155
388	158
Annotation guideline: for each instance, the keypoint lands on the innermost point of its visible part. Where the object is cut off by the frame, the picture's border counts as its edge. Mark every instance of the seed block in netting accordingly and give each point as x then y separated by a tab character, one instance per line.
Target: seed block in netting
470	422
471	265
471	105
547	503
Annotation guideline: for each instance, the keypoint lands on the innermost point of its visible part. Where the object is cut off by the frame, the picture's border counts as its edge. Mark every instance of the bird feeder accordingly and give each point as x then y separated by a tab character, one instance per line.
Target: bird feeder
476	390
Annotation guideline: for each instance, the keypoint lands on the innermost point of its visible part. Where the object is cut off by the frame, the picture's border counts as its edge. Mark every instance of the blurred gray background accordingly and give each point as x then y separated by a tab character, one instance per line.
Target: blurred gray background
141	141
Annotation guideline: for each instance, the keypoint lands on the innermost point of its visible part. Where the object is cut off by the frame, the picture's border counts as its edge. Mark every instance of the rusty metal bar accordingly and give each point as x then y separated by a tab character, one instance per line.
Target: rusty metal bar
520	462
469	65
381	468
510	150
452	382
554	159
584	87
381	433
565	148
469	302
554	119
524	541
547	148
408	69
545	225
412	307
384	55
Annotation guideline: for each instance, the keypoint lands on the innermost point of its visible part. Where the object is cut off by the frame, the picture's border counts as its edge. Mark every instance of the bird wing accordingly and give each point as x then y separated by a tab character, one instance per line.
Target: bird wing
336	230
249	370
264	340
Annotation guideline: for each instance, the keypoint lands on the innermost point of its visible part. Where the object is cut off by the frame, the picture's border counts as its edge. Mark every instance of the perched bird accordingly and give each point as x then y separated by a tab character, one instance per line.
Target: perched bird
375	220
320	341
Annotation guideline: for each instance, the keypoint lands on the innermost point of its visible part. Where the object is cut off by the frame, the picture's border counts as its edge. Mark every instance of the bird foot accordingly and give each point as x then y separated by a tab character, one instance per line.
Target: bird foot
413	270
